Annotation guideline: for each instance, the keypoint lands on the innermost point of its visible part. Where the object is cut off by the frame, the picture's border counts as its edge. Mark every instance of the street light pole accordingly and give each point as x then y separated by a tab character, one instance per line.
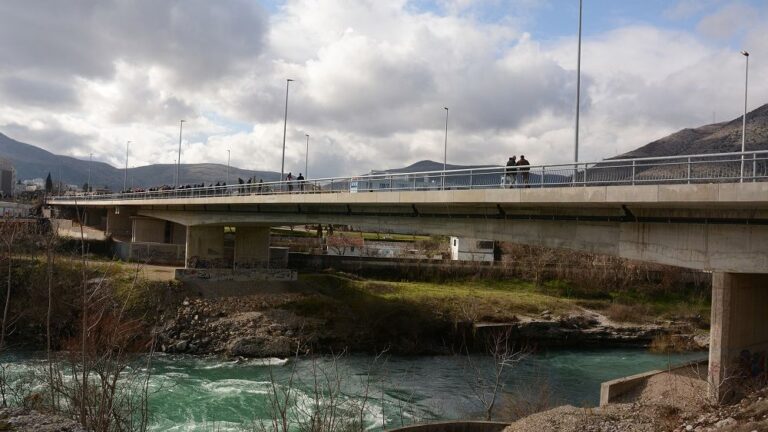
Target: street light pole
90	162
178	161
306	160
578	90
228	154
445	146
125	177
285	127
744	119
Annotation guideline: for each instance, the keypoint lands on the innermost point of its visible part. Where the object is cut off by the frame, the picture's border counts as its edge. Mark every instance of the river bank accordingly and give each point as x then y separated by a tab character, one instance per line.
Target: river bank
335	313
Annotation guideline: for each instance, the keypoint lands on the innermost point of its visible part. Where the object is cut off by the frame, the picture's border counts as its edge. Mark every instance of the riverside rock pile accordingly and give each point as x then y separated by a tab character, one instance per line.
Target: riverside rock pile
25	420
213	326
750	414
672	401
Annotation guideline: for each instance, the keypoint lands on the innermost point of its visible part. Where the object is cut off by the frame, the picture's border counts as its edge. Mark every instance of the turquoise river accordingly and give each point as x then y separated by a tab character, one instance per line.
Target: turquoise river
209	394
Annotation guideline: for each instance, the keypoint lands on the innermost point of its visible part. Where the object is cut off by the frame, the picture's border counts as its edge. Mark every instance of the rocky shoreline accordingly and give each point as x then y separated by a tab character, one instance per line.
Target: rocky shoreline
261	327
26	420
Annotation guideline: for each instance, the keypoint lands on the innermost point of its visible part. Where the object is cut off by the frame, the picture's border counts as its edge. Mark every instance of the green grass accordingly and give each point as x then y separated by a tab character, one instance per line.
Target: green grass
493	300
475	300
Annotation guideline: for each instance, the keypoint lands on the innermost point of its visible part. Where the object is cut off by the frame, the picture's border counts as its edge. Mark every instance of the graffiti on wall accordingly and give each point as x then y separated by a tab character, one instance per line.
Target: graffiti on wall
236	275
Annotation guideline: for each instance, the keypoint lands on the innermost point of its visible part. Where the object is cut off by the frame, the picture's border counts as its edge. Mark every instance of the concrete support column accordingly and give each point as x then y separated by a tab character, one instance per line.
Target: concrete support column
95	218
251	246
148	230
739	331
205	243
119	222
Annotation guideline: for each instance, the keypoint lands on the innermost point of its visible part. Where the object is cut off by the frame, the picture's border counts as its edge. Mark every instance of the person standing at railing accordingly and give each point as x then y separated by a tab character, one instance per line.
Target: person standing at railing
289	180
524	169
511	172
300	180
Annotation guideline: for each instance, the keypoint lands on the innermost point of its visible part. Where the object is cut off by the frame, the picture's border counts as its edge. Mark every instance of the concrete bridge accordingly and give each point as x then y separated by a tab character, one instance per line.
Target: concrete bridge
718	225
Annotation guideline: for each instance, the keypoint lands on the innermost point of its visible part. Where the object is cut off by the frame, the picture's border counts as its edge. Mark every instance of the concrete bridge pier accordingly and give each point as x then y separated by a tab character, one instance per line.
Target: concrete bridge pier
739	332
204	243
119	222
251	246
94	217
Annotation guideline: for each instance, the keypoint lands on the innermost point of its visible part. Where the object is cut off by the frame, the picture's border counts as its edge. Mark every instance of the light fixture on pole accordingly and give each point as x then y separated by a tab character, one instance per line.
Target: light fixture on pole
125	177
306	160
744	119
178	161
445	146
228	154
285	127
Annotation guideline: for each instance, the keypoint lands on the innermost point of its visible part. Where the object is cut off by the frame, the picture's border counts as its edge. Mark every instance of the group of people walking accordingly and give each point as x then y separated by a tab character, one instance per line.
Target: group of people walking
300	180
517	171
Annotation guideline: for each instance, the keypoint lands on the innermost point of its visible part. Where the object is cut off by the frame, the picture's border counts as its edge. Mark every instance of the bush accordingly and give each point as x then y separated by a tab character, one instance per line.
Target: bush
625	313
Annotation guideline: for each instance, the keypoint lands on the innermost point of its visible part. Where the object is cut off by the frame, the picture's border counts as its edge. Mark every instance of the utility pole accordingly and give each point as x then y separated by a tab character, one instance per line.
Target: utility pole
578	90
744	119
125	176
306	160
285	128
178	161
445	147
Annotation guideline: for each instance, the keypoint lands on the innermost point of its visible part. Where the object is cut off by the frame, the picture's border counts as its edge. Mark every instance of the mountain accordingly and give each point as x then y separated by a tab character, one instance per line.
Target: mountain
426	166
31	162
713	138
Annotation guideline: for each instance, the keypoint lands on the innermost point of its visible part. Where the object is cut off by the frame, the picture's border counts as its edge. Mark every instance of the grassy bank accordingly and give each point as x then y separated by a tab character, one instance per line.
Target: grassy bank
494	300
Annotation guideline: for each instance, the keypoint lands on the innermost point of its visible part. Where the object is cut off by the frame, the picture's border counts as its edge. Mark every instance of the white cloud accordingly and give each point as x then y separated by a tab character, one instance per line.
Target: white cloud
372	79
729	20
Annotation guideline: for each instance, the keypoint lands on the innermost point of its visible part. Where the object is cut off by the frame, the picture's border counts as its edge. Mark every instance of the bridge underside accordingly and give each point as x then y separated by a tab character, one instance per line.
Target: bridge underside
706	227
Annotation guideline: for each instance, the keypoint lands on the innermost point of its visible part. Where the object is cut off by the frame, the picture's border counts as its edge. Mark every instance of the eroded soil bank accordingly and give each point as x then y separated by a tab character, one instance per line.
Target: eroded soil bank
333	313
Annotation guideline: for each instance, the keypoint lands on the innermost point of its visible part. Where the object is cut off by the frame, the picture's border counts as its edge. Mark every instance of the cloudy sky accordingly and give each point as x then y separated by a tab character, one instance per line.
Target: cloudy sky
372	77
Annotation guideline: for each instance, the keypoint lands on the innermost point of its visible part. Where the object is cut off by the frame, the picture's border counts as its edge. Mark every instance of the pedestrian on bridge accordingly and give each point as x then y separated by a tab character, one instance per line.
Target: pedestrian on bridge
289	179
524	169
511	172
300	179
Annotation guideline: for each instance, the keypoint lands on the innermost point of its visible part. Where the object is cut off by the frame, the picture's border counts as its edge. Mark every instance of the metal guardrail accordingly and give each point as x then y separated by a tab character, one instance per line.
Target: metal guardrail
707	168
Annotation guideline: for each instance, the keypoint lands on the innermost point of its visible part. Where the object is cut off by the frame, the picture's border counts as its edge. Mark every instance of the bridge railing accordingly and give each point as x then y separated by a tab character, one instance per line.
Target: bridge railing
709	168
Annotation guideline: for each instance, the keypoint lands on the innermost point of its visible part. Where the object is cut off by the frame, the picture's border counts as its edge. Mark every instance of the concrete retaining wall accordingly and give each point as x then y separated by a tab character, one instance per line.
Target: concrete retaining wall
151	253
235	275
612	389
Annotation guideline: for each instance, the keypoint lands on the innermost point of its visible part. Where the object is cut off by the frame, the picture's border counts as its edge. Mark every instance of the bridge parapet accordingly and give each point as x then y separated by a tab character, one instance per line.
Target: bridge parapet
690	169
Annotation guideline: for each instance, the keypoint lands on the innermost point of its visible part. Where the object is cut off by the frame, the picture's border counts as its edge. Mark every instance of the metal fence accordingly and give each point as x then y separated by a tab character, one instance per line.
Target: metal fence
707	168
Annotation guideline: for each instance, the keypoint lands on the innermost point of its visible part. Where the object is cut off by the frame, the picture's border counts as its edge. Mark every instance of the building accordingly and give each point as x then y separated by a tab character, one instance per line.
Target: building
7	178
471	249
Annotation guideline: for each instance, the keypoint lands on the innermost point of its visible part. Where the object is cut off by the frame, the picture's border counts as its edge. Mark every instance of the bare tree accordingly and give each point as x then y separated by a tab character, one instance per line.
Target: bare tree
488	383
50	239
8	233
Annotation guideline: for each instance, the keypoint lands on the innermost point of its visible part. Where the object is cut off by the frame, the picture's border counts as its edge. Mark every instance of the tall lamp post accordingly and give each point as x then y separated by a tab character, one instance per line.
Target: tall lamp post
306	160
228	155
285	127
445	146
744	118
578	98
90	162
178	161
125	177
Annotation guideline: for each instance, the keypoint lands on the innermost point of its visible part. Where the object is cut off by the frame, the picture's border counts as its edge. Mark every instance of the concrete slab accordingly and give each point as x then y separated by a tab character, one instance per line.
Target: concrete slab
503	195
631	194
743	192
689	193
